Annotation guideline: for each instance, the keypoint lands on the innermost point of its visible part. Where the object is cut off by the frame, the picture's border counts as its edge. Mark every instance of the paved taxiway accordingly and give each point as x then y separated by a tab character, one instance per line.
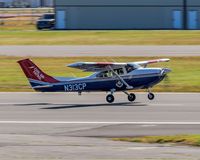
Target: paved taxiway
74	51
66	126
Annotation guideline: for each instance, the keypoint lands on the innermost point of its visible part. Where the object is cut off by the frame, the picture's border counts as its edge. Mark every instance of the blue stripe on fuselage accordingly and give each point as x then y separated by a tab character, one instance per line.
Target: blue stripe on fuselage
84	85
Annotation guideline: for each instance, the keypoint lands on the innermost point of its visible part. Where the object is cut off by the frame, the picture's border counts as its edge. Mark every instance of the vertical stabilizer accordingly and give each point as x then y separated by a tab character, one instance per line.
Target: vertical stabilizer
34	73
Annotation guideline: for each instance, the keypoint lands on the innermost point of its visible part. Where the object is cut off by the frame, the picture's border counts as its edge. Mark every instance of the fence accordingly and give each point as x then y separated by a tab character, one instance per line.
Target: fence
21	18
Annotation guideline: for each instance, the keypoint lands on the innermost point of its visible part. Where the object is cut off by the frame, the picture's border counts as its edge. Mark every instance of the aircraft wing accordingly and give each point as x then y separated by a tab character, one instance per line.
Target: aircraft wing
96	66
145	63
103	66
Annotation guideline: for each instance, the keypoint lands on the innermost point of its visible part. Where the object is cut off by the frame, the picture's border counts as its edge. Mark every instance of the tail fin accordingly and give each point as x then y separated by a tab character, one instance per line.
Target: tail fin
33	73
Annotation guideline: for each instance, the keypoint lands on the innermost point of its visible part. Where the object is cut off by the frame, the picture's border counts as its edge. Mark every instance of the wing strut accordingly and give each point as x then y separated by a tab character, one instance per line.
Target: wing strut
121	79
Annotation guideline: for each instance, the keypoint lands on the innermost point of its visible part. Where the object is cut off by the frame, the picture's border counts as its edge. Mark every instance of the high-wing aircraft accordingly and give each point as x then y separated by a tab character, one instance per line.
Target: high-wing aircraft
107	77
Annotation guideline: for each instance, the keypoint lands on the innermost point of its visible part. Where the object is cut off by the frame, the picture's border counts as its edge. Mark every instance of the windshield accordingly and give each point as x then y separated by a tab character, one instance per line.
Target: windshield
132	67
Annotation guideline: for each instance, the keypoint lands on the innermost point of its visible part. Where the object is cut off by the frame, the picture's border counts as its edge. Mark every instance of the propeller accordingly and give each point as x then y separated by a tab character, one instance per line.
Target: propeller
166	80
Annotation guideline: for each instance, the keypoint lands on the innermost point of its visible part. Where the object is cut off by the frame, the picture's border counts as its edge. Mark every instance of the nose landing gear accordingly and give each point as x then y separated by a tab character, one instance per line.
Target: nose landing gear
151	96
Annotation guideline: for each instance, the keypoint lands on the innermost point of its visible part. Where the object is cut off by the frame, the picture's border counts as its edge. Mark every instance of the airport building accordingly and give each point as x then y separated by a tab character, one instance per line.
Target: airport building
127	14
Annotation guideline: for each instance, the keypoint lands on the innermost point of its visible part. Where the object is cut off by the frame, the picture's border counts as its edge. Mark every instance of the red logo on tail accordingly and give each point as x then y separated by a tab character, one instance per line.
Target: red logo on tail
33	72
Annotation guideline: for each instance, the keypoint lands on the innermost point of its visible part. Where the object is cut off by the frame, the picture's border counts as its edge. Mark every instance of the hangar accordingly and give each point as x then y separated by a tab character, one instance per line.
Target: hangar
127	14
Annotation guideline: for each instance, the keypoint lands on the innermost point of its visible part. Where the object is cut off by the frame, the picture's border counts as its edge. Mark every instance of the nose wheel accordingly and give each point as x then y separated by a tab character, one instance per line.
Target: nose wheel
151	96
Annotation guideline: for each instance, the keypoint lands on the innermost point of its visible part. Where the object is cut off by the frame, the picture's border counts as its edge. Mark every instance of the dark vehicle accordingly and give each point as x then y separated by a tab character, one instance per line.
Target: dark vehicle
47	21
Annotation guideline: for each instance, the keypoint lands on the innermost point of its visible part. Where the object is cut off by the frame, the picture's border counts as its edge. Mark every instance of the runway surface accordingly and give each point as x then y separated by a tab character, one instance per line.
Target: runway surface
67	126
75	51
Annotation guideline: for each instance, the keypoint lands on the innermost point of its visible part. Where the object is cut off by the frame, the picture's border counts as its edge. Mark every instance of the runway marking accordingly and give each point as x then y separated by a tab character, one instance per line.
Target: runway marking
87	122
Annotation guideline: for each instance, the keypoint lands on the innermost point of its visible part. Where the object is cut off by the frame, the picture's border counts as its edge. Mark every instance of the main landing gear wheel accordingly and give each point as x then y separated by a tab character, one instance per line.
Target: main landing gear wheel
110	98
151	96
131	97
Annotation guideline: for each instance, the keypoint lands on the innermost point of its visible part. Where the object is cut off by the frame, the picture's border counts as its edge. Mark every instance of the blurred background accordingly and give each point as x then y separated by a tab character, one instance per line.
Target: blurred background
23	14
18	18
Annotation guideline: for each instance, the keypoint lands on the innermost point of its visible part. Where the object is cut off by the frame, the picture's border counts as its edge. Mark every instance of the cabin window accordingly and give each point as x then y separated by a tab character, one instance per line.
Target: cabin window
106	74
119	71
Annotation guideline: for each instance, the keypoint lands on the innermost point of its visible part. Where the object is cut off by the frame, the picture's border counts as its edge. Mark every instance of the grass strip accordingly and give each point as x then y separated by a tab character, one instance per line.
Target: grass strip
25	34
190	140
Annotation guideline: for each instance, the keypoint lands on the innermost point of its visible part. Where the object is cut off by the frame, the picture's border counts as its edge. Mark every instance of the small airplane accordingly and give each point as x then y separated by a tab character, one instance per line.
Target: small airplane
107	77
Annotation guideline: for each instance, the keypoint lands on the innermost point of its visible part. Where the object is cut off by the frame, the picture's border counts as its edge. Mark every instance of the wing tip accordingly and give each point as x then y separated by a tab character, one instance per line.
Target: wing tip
166	59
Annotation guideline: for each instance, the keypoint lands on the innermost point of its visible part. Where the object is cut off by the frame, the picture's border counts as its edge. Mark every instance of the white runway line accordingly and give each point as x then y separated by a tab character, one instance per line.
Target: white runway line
87	122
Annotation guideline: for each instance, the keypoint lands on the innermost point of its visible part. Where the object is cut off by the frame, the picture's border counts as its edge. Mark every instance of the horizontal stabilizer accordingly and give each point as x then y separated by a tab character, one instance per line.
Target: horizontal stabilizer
41	87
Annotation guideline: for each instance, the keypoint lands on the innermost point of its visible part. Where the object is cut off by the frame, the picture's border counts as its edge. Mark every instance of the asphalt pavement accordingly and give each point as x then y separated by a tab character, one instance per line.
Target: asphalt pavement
68	126
100	50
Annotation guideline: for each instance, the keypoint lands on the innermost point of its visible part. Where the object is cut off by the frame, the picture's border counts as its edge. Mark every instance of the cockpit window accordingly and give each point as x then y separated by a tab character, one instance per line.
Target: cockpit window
129	68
